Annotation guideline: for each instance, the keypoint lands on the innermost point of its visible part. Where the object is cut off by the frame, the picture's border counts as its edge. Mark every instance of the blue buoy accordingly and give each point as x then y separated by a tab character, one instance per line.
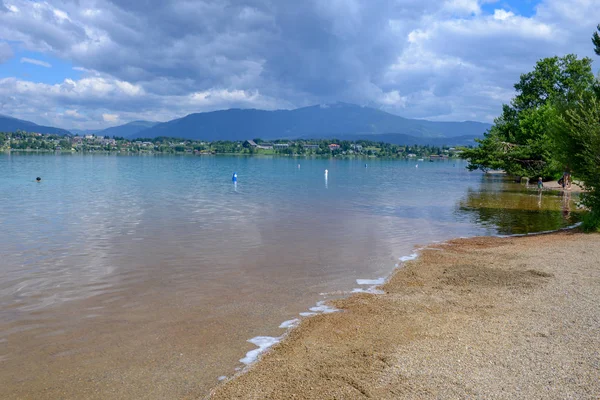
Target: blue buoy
234	177
365	165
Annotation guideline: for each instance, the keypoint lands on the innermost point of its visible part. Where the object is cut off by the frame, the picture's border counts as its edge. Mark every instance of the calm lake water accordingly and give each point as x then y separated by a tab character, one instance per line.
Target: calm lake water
144	276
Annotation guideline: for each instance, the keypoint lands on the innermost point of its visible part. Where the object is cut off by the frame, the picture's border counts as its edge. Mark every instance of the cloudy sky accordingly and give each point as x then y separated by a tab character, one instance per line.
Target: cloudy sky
98	63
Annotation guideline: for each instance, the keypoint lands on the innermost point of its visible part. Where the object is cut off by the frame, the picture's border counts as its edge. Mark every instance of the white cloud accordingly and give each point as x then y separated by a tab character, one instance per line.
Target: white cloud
419	58
463	7
12	8
503	15
6	52
73	114
393	98
112	118
36	62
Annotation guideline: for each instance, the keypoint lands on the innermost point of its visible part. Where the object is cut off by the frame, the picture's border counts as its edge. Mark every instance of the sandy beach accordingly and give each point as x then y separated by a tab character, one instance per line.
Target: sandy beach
554	185
493	318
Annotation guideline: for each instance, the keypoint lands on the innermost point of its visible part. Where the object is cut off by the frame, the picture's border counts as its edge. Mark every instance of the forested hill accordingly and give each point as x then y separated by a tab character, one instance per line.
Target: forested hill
10	124
316	121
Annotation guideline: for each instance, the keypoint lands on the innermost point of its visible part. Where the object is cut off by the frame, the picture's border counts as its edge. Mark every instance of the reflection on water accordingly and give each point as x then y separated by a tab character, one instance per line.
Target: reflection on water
156	269
512	208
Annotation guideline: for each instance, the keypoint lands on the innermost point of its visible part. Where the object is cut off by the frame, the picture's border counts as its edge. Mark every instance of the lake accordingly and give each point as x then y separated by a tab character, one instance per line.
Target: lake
144	276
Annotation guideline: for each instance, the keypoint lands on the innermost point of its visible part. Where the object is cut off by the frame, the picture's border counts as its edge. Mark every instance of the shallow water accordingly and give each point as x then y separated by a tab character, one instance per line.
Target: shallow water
129	276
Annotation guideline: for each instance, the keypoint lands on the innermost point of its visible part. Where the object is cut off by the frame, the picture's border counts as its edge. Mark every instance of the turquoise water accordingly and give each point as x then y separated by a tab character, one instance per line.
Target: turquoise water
165	239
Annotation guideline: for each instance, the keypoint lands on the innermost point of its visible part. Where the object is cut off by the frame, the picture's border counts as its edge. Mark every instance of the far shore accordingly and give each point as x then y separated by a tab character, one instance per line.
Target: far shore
483	317
257	155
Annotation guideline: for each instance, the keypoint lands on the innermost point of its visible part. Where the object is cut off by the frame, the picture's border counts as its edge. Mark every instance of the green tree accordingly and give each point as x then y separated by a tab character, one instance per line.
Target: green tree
519	141
596	41
576	132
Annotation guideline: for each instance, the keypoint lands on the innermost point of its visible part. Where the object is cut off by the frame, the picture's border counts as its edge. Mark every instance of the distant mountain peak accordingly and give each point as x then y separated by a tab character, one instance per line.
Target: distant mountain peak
316	121
337	104
11	124
128	129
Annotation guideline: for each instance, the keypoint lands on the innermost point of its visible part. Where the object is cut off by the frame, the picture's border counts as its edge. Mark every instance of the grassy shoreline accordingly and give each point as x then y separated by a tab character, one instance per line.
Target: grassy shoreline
480	317
258	155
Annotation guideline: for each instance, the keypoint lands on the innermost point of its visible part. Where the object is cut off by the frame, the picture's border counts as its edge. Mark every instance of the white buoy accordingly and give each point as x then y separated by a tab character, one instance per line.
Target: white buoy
298	166
326	172
417	166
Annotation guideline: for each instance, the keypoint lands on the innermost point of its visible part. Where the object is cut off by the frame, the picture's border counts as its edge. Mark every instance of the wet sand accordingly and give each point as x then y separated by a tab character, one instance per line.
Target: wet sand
472	318
554	185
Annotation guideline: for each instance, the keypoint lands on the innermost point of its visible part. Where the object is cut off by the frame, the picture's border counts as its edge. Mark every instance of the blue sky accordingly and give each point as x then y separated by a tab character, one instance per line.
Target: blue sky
97	63
525	8
20	66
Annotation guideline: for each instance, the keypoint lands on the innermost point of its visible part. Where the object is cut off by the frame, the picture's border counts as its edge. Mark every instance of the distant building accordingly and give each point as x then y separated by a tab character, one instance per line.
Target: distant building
89	136
106	142
265	146
334	146
251	143
357	147
281	145
311	146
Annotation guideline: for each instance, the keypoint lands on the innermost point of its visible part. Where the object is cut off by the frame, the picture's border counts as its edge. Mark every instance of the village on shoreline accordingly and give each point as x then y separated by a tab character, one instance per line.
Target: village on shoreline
27	142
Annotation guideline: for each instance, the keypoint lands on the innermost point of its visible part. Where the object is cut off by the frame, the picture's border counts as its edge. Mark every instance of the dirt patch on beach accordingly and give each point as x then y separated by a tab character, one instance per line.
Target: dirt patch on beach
472	318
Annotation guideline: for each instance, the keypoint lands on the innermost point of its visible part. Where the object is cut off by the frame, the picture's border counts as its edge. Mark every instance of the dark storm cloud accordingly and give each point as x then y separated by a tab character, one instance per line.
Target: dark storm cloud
426	58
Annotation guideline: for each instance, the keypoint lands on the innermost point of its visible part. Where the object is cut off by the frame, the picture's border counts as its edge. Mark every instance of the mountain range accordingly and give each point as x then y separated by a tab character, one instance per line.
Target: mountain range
10	124
320	121
338	120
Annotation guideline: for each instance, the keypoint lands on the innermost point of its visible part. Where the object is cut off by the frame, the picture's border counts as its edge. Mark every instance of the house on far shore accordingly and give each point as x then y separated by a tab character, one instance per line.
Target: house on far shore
334	146
251	143
265	146
281	145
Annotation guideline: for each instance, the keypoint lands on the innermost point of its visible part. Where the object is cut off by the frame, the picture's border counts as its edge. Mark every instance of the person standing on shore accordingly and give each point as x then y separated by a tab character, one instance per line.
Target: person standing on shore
540	183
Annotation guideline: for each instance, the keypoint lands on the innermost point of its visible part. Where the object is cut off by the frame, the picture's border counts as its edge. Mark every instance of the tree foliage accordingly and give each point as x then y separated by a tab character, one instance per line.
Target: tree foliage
519	142
576	133
596	41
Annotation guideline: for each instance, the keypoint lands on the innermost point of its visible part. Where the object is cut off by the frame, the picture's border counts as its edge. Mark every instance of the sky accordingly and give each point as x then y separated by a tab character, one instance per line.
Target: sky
90	64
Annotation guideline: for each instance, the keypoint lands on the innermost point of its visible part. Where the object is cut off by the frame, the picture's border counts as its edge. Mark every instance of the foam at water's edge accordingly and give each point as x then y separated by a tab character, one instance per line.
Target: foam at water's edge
307	314
413	256
323	308
263	343
370	290
378	281
289	323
